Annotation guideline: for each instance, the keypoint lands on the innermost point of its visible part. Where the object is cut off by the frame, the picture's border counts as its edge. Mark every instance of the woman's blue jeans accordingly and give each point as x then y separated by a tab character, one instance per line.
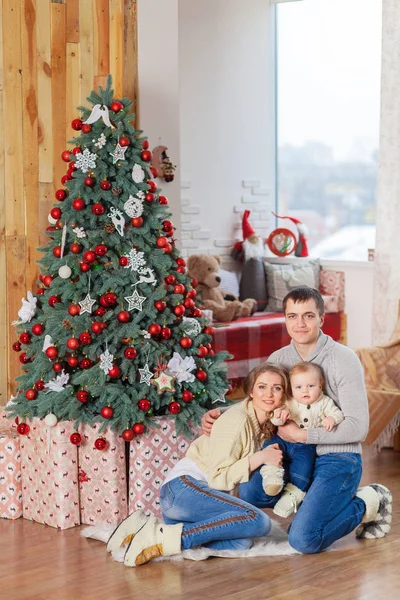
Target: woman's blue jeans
211	518
330	509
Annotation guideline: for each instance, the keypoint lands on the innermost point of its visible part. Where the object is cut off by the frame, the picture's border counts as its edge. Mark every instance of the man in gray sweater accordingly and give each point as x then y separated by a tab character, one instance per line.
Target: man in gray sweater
332	507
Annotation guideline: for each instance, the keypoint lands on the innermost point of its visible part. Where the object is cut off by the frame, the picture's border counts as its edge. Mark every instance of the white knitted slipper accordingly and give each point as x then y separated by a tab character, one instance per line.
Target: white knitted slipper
122	535
377	521
272	479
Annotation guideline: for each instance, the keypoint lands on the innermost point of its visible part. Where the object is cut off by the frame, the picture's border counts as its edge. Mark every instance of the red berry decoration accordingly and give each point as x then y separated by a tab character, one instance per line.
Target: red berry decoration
98	209
86	128
138	428
202	351
57	367
179	310
154	329
149	197
201	375
56	213
160	305
174	408
105	185
16	347
166	333
115	372
127	435
83	396
110	298
137	222
76	124
57	251
23	359
97	327
73	343
145	144
101	250
53	300
75	438
78	204
100	444
31	394
123	261
116	106
23	429
163	200
161	241
75	248
39	385
124	141
65	155
107	412
89	256
146	155
52	352
179	289
170	279
89	181
130	353
84	267
73	361
74	310
187	396
185	342
144	404
123	316
85	363
85	338
61	195
25	338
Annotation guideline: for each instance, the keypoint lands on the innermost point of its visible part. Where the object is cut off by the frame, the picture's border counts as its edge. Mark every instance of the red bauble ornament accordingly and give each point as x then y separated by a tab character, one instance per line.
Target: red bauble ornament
73	361
100	444
31	394
100	312
85	363
170	279
163	200
137	222
23	359
76	124
40	291
72	166
105	185
74	310
149	197
98	209
146	155
86	128
65	155
123	316
25	338
83	396
75	248
166	333
84	267
85	338
123	261
160	305
101	250
145	144
115	372
187	396
75	438
196	313
191	294
23	429
127	435
97	327
167	225
167	248
57	251
185	342
181	261
130	353
124	141
57	367
208	330
47	280
138	428
89	181
89	256
174	408
73	343
194	282
161	241
56	213
39	385
144	404
53	300
154	329
202	351
179	289
76	150
152	186
201	375
110	298
52	352
188	303
116	106
16	347
179	310
107	412
78	204
61	195
64	179
154	171
103	302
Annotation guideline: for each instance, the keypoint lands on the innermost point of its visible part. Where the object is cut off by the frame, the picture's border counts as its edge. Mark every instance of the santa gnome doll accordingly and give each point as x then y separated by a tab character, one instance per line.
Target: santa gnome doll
301	249
251	251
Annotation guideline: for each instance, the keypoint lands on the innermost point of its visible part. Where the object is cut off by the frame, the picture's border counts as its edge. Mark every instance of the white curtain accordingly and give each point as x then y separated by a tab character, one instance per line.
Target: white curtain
280	1
387	248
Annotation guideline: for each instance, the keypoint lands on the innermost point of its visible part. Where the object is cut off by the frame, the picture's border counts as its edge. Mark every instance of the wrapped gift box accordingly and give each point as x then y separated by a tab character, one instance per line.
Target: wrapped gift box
102	477
50	491
151	456
10	475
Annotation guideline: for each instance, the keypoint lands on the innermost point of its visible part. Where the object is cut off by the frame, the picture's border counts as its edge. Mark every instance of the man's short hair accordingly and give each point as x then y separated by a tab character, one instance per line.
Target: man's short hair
303	293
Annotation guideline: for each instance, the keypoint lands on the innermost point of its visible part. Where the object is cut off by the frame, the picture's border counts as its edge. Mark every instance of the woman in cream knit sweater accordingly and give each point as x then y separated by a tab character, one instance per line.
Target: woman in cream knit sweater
196	501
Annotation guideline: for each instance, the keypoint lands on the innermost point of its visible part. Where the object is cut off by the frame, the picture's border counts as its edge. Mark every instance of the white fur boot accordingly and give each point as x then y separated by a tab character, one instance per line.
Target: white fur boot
290	501
272	479
122	535
153	540
377	519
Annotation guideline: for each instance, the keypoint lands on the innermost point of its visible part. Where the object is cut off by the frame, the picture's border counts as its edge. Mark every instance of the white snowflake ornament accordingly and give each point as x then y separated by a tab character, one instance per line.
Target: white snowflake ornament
135	260
101	141
79	232
85	161
106	361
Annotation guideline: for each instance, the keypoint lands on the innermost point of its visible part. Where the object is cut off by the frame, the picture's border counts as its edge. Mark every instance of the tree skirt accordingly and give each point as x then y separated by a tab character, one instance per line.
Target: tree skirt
274	544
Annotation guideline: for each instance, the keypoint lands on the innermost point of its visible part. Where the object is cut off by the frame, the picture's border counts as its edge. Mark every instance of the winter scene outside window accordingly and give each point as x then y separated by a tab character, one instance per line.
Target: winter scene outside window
328	92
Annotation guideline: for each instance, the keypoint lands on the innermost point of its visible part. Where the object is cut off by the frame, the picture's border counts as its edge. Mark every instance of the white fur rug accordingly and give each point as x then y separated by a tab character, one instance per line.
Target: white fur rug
273	544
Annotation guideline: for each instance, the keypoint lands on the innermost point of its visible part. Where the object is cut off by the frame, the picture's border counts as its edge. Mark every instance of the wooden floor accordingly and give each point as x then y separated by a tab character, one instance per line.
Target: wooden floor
41	563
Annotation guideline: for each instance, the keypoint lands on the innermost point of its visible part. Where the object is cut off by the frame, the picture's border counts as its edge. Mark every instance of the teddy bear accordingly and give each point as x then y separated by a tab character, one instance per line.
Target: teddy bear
225	307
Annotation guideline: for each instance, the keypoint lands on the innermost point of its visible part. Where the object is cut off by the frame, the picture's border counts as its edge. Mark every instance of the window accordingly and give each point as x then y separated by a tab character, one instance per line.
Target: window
328	91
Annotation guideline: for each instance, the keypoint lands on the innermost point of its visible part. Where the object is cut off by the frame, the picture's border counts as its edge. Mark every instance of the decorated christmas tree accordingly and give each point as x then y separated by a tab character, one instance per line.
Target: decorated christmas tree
113	334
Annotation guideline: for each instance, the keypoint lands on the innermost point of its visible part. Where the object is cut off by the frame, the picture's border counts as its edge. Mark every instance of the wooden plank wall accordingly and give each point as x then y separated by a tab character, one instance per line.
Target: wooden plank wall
52	54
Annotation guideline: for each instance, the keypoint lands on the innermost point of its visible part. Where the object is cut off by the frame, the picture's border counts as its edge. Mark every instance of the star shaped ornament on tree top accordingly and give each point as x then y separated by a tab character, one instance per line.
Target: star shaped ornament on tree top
145	375
119	153
164	382
135	301
86	304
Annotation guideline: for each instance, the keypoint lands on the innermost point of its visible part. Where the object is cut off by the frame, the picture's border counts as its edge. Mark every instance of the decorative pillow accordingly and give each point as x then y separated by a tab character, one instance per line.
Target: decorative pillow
229	282
331	303
281	278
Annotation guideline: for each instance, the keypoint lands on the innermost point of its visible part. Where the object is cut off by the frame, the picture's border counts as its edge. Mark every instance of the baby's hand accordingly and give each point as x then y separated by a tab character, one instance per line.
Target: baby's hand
285	415
328	423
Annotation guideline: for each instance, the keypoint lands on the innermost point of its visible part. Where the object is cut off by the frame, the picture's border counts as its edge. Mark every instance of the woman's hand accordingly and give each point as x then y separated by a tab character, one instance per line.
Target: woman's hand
271	455
292	433
208	420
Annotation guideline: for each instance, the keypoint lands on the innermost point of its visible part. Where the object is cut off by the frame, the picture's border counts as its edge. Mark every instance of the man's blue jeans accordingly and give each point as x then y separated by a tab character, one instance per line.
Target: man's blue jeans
330	509
298	461
211	518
